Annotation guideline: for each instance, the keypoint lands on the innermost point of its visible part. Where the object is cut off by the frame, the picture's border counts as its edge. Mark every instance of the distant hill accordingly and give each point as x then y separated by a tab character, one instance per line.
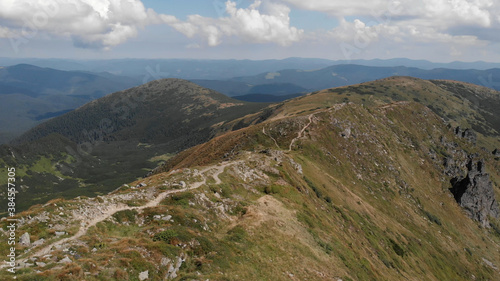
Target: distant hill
235	88
265	98
349	74
29	94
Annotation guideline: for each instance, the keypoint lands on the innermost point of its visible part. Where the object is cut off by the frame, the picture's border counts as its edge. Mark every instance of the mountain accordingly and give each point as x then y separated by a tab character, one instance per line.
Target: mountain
235	89
266	97
117	138
349	74
224	69
351	183
30	94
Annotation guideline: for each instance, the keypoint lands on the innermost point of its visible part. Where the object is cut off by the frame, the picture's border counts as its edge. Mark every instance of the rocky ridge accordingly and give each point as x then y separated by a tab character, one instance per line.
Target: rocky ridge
470	184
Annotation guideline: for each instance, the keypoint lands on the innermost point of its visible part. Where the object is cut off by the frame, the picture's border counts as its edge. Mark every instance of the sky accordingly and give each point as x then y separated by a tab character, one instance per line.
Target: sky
435	30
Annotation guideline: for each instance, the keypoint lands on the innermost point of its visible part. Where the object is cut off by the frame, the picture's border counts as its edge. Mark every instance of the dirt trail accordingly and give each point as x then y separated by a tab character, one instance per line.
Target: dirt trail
299	135
275	142
88	223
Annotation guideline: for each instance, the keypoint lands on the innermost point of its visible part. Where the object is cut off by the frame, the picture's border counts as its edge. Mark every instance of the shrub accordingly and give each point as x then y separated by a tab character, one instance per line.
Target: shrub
166	236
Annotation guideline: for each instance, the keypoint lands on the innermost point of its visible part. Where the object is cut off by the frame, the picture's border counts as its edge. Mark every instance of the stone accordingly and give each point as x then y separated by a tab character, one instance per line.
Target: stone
467	134
144	275
496	154
173	269
40	264
38	242
66	260
25	239
60	233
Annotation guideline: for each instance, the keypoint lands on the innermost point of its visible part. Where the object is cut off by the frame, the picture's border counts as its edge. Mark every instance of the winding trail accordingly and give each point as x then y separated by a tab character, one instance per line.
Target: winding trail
275	142
299	135
89	222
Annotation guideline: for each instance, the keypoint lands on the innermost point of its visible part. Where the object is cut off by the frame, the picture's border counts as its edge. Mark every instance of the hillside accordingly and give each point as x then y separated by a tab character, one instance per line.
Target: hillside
117	138
320	190
30	94
461	104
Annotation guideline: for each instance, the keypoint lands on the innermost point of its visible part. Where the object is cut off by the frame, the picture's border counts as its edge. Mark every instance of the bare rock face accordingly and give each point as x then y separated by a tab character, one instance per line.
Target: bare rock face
467	134
474	191
470	184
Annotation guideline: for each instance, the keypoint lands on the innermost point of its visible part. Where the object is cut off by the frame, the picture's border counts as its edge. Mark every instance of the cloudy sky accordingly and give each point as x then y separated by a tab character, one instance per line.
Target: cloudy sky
436	30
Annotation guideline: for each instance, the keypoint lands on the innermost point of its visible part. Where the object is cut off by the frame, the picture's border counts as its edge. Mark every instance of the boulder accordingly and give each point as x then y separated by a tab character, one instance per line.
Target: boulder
144	275
38	242
25	239
66	260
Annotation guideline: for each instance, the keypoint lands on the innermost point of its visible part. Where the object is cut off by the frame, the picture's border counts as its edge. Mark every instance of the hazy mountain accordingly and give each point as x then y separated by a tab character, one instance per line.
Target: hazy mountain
223	69
30	94
349	74
235	88
350	183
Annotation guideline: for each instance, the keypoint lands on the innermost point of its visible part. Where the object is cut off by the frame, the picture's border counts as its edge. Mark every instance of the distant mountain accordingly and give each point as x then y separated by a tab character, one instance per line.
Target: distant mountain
224	69
265	98
349	74
153	69
29	94
118	138
235	88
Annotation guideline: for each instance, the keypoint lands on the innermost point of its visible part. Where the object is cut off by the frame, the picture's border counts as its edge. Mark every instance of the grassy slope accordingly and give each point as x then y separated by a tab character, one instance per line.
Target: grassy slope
369	205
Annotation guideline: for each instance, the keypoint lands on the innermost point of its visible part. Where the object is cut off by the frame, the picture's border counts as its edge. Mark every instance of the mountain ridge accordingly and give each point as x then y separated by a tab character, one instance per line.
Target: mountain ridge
352	191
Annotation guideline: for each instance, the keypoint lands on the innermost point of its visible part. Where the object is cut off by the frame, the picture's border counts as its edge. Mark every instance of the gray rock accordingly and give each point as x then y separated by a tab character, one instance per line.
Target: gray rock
496	154
40	264
60	233
474	191
66	260
38	242
144	275
467	134
25	239
173	269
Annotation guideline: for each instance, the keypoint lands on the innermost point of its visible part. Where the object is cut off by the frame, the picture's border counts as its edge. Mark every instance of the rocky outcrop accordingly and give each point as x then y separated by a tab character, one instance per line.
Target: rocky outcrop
470	184
472	188
467	134
496	154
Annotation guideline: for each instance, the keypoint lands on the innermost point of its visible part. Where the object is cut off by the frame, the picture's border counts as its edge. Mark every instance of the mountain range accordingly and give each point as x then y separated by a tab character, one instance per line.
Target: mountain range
393	179
31	94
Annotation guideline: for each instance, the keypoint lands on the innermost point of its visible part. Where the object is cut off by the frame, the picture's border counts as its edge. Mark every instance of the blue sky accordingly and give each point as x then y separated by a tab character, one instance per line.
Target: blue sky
436	30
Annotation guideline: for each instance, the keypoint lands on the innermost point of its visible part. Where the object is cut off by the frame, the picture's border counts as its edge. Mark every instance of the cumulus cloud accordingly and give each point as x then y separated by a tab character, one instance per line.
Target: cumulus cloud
440	14
107	23
91	23
259	23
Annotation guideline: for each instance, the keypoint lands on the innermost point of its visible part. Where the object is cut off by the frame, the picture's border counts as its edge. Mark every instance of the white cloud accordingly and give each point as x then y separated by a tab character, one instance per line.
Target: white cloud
107	23
259	23
91	23
441	15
